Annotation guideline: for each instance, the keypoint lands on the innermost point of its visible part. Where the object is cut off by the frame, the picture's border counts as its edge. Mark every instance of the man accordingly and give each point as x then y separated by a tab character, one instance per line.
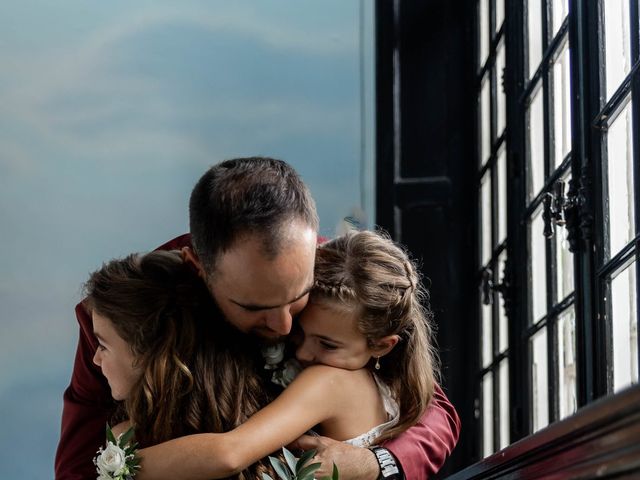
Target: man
253	237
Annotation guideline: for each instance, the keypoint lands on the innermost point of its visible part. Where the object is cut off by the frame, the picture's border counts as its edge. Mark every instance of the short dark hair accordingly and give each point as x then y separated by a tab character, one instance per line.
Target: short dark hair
254	195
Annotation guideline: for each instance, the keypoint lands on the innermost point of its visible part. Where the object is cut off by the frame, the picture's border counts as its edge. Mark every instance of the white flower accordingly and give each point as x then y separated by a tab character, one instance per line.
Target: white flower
111	462
287	374
273	355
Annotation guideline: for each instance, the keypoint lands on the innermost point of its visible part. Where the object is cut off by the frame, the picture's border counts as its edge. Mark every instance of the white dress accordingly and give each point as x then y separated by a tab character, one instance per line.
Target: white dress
393	414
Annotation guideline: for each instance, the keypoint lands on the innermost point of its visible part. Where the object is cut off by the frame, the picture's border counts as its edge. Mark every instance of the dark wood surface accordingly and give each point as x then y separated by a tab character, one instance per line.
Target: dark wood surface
602	440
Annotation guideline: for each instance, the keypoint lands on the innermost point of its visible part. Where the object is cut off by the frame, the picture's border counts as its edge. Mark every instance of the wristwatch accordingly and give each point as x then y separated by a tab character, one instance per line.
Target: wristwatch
389	469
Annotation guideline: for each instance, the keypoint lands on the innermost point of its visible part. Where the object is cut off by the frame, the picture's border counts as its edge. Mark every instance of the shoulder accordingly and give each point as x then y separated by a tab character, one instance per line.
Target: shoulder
324	377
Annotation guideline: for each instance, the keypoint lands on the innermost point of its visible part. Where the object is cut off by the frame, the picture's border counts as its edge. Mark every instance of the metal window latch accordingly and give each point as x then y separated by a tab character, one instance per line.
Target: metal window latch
556	206
488	287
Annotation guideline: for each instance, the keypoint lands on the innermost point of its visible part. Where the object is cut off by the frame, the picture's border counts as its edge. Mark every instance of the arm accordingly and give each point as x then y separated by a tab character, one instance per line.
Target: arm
87	406
318	394
423	448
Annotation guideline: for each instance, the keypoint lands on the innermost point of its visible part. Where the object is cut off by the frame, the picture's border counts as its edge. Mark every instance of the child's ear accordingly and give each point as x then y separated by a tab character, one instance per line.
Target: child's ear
385	345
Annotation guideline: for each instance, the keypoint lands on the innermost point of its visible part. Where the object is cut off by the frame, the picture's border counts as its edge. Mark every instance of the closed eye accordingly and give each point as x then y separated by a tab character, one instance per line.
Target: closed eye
328	346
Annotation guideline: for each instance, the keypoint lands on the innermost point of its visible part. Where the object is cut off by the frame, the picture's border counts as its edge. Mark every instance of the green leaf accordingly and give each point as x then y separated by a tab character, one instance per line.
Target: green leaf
280	469
290	458
266	477
335	475
126	437
308	471
110	437
304	458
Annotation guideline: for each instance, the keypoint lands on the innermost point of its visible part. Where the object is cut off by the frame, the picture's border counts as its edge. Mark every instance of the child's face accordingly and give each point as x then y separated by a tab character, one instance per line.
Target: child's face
331	337
114	357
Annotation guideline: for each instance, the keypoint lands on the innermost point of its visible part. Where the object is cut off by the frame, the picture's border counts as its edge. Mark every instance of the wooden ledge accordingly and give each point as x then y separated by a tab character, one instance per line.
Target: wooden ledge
601	440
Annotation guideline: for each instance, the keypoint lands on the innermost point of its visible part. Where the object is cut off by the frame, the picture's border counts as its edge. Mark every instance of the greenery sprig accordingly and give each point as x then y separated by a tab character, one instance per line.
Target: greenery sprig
297	468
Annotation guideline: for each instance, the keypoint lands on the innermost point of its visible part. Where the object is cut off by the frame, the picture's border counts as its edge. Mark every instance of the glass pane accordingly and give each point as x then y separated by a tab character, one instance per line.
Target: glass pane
536	145
534	13
624	321
501	98
539	380
566	334
503	328
483	29
617	43
504	403
538	281
485	118
485	189
561	107
499	13
502	195
621	212
560	9
564	259
487	415
487	336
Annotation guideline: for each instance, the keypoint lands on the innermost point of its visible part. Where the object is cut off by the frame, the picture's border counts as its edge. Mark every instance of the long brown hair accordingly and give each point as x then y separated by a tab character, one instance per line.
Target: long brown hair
199	373
369	274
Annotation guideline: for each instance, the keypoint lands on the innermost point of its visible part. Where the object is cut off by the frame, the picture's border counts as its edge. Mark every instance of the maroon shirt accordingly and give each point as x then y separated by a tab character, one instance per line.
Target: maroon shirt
421	450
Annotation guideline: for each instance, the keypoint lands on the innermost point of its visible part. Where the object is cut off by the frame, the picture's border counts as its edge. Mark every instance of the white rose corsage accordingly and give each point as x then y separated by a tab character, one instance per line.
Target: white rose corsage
273	355
283	371
117	461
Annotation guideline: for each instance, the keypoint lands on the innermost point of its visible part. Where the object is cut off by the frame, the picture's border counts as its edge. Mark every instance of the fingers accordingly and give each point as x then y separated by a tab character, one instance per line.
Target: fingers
305	442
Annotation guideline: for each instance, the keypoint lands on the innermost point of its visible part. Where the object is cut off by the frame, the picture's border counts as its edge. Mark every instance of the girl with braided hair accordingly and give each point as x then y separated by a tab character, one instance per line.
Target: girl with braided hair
365	342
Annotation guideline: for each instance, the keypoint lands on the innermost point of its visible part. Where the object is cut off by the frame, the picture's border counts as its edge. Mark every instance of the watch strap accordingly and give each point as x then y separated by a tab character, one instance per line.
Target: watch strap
389	468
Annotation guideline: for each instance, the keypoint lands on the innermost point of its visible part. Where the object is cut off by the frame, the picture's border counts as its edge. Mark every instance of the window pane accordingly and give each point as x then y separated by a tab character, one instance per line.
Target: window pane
536	145
561	107
560	9
566	334
487	415
617	43
564	260
621	213
502	195
485	190
487	336
483	13
485	119
539	380
501	98
503	328
534	14
504	403
538	281
499	13
564	264
624	320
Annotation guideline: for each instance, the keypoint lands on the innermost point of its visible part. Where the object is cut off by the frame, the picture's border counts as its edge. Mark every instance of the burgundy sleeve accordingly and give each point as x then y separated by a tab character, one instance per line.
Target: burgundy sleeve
423	448
87	401
87	407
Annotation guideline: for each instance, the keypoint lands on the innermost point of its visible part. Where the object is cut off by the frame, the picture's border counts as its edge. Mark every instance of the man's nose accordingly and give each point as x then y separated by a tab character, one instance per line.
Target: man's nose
280	320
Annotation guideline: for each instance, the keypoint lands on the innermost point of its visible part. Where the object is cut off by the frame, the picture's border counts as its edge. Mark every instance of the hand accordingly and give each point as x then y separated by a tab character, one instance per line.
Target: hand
354	463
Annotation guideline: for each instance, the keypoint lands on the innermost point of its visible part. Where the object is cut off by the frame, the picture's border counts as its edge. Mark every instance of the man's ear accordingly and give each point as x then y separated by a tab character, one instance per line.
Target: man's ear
191	258
385	345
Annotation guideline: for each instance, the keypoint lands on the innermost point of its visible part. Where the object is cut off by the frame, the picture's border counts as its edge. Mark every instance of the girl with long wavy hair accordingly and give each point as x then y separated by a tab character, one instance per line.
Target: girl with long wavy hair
174	373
